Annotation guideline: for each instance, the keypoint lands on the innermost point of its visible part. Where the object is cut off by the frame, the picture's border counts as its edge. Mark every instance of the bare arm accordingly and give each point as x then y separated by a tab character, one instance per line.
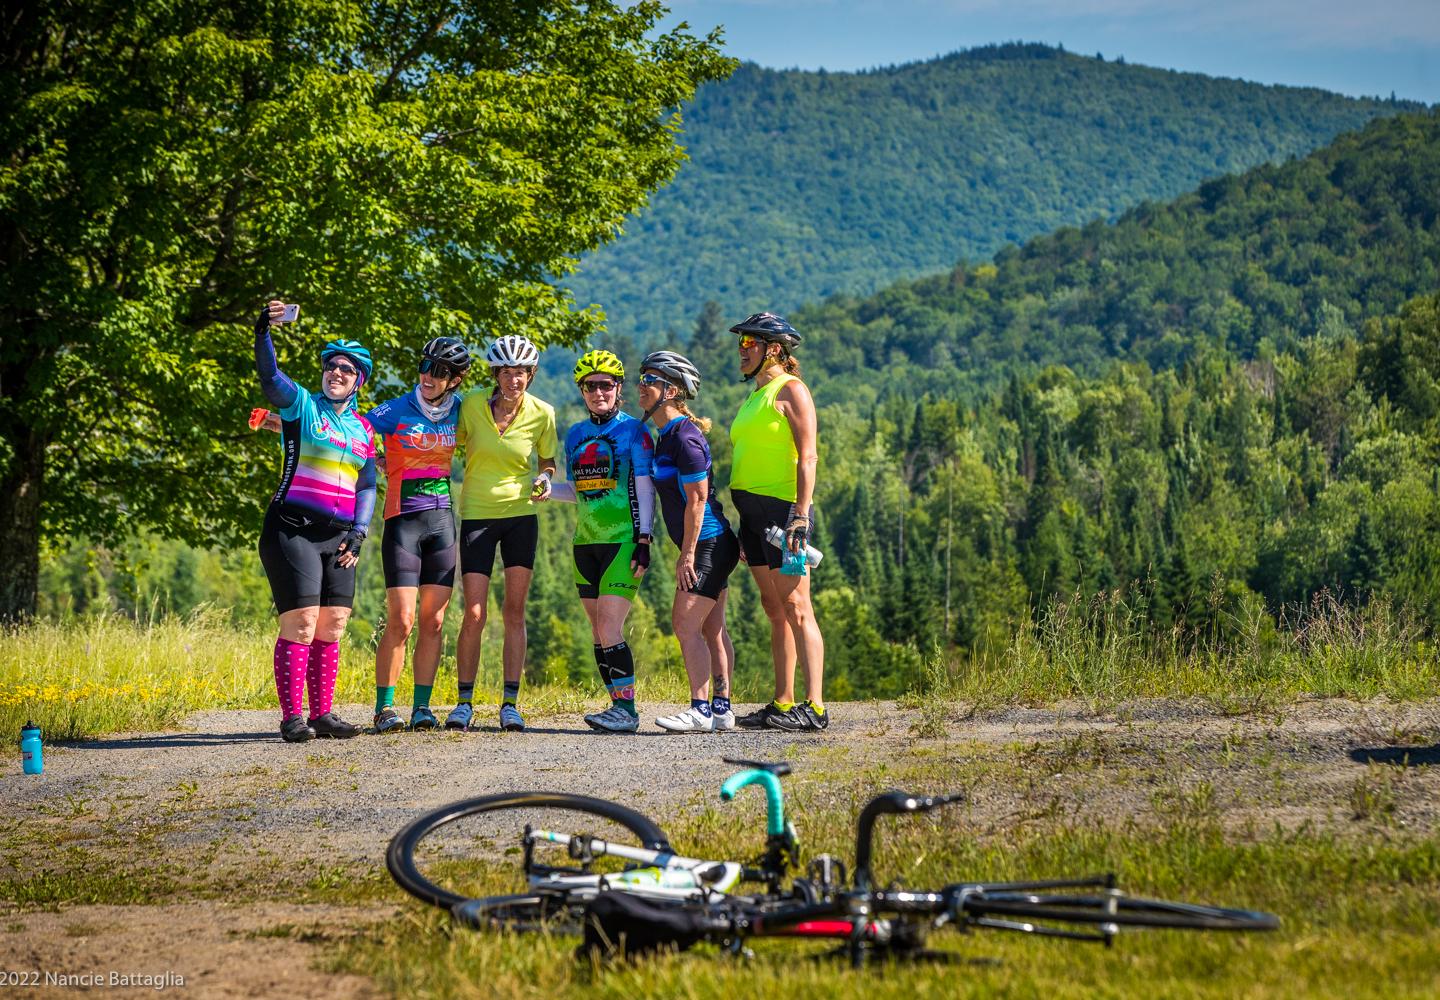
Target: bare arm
796	405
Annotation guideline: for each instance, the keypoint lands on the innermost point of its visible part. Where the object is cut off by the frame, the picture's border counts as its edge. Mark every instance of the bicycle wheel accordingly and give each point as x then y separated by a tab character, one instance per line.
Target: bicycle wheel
400	855
1110	907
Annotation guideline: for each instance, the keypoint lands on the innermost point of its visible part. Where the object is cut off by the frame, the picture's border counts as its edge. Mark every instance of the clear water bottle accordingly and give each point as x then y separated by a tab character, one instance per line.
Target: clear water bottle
776	537
31	750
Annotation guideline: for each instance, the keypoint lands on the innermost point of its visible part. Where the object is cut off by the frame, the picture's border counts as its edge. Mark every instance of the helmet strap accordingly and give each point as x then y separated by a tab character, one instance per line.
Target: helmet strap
761	365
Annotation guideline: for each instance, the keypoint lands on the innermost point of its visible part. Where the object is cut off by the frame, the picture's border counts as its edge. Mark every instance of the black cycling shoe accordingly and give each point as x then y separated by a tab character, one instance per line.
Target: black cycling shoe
294	730
331	727
801	719
756	719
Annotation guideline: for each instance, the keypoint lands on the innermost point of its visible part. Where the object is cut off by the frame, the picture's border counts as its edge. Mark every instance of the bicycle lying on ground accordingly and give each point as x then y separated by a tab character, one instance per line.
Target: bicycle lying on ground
663	899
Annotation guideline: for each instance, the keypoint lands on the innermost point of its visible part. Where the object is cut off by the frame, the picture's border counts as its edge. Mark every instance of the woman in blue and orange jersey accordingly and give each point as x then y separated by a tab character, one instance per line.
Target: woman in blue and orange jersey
315	524
418	549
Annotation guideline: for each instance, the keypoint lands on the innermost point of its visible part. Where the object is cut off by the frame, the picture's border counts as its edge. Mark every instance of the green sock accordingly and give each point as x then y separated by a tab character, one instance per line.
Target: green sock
384	697
784	706
422	696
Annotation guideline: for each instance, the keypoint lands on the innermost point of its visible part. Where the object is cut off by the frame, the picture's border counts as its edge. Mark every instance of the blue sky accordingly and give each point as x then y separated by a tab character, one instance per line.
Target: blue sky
1357	47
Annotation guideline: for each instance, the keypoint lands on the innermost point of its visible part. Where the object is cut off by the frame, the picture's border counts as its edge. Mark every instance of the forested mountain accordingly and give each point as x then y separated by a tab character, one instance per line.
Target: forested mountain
1244	264
804	184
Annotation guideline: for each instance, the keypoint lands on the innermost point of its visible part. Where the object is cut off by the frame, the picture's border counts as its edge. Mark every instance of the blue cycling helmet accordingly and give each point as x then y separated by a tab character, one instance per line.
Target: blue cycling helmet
352	350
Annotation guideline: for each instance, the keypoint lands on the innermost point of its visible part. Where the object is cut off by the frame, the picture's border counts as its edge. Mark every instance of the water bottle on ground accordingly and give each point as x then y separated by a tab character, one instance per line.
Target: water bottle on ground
795	562
30	749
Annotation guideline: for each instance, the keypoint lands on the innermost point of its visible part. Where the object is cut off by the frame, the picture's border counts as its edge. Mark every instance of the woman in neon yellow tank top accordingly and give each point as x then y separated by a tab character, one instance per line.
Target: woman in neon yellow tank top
772	482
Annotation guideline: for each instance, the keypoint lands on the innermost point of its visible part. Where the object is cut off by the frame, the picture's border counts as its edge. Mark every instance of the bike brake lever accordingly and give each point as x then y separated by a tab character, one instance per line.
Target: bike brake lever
779	769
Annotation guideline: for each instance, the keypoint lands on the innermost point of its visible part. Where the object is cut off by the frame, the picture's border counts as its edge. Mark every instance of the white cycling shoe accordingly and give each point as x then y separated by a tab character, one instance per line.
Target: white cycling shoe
724	721
613	720
689	721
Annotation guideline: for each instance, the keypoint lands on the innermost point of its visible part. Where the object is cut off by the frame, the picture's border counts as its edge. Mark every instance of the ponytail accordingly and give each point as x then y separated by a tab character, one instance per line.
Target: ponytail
701	422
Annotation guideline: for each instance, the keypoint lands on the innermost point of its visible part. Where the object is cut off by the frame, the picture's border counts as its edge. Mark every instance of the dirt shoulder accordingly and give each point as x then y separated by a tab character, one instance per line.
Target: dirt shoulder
199	855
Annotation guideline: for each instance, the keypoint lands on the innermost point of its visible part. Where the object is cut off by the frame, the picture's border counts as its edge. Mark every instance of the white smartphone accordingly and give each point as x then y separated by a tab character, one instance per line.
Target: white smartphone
291	314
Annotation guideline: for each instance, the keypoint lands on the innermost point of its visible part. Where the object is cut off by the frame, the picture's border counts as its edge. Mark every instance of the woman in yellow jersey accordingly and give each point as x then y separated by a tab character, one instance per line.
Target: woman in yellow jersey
501	435
772	482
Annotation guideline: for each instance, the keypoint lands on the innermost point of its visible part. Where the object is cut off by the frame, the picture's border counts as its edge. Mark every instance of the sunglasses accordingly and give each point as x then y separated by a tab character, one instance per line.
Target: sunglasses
437	368
649	379
599	385
342	368
747	341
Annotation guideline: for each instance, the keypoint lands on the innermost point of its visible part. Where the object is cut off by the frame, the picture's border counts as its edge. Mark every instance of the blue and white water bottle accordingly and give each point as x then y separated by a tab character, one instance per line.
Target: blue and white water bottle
795	562
31	750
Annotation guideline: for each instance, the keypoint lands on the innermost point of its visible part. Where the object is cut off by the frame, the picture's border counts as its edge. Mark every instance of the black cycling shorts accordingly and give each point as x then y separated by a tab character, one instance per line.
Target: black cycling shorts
300	563
715	559
758	512
419	549
516	537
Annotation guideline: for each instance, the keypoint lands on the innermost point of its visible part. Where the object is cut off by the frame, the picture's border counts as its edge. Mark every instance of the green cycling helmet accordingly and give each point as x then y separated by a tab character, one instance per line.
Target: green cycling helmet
353	350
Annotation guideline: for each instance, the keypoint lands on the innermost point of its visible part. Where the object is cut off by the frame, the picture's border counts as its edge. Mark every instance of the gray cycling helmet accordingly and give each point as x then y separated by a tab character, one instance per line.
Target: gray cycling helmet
512	351
676	369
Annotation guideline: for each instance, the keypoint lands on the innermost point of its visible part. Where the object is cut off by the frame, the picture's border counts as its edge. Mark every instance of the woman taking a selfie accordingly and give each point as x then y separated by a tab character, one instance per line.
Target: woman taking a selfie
315	524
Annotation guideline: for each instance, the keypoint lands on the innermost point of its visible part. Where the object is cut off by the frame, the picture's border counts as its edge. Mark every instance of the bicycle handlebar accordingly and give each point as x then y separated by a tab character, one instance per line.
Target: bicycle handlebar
888	802
774	801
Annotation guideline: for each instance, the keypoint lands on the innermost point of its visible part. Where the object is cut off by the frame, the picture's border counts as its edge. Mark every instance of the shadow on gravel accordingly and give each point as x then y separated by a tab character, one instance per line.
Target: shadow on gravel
1399	756
165	740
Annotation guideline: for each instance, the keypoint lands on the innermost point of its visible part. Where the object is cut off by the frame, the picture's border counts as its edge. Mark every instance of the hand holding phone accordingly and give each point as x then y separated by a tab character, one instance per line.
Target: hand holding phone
291	313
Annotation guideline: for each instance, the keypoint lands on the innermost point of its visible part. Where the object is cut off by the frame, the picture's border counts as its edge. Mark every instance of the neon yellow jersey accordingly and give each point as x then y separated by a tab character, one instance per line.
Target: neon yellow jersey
765	455
500	467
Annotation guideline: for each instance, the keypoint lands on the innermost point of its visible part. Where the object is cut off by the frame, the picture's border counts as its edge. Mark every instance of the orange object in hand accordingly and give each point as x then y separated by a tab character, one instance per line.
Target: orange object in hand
257	417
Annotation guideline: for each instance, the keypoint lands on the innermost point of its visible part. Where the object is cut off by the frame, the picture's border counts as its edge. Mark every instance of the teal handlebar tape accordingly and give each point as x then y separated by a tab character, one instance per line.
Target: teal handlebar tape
774	803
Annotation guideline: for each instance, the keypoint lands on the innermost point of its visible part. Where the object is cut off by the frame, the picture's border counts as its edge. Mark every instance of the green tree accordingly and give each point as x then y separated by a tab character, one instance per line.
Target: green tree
400	169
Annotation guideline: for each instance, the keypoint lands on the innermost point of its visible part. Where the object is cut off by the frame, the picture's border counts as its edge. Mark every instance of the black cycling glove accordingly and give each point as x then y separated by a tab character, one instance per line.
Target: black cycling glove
799	527
263	323
642	555
351	543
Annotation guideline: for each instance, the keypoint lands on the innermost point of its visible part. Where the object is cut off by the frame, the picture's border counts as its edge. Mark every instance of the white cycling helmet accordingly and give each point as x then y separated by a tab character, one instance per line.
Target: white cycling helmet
512	351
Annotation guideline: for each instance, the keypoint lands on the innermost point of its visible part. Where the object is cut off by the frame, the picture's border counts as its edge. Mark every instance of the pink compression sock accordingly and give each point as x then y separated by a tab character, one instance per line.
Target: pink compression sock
320	674
290	661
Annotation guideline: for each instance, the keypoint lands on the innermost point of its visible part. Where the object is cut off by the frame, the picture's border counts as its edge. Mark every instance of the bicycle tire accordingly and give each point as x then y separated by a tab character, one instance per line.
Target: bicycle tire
1120	910
400	855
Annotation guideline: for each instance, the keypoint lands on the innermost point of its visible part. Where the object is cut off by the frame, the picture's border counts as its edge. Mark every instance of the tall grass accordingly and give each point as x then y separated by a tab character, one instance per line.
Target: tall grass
1106	647
88	676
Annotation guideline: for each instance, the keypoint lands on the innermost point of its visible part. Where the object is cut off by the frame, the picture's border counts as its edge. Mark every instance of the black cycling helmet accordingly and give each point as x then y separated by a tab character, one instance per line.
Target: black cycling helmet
448	351
769	327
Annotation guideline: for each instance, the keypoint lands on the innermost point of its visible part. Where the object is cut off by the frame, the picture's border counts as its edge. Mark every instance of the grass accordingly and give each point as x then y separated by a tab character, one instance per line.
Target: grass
1105	649
88	677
